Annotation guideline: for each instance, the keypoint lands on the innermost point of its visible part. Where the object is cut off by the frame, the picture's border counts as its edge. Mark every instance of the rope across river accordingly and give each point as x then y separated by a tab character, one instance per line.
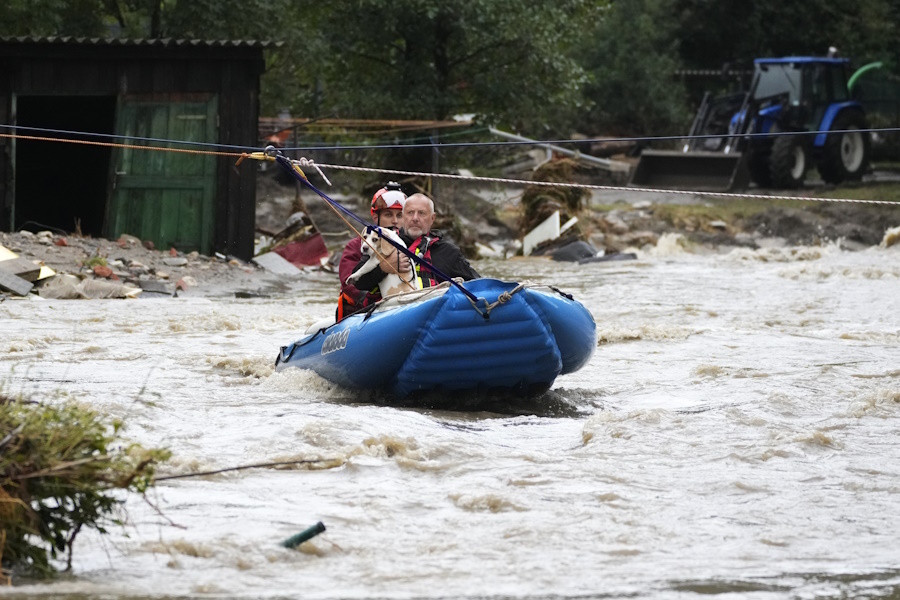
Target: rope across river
241	152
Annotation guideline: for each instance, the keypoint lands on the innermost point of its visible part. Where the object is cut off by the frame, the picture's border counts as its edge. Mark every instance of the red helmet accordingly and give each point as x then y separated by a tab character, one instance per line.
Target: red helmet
389	196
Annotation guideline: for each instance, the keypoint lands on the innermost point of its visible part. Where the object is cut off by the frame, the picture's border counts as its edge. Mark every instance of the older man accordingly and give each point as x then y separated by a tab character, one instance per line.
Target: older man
418	217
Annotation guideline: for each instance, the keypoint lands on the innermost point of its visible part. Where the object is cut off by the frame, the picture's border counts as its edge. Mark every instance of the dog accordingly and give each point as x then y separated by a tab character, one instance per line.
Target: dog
392	283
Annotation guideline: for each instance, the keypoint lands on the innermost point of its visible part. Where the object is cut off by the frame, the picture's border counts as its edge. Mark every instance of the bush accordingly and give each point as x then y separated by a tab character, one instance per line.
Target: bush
59	468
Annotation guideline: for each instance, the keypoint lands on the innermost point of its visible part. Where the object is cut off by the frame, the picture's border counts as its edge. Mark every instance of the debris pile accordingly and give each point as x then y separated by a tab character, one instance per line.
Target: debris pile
539	202
70	267
299	243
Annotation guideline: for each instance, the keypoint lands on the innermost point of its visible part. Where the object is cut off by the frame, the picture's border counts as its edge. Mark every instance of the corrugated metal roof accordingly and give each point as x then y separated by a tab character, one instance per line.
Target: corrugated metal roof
148	42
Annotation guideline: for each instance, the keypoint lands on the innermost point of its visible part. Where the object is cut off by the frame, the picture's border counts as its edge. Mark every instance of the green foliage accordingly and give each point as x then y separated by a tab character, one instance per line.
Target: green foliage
200	19
51	17
631	61
737	31
539	68
95	261
503	61
227	19
59	468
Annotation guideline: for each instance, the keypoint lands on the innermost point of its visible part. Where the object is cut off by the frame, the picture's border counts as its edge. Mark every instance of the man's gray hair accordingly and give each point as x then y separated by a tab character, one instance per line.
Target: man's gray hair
420	196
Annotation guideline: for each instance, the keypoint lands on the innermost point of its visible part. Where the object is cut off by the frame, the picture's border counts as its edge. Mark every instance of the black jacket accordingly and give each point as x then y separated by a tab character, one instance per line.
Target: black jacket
445	256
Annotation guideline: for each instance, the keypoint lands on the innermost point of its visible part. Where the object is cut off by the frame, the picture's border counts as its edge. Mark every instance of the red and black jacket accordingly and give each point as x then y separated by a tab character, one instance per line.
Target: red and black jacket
444	255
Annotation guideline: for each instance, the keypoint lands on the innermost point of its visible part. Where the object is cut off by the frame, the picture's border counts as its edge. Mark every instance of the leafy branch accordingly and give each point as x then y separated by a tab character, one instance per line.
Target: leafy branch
60	466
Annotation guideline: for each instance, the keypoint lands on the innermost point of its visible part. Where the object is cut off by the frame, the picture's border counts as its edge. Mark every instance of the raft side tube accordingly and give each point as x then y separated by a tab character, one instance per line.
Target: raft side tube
572	324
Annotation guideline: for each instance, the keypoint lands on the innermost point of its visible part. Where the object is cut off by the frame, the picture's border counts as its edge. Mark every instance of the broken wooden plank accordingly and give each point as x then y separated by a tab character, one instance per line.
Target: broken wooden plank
15	284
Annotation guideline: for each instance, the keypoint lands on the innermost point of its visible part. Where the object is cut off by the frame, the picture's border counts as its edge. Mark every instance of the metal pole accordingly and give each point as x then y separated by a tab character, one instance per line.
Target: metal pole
435	162
609	165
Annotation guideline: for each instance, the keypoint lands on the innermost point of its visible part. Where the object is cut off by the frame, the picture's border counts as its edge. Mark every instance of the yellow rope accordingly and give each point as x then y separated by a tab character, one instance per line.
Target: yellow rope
116	145
241	156
262	156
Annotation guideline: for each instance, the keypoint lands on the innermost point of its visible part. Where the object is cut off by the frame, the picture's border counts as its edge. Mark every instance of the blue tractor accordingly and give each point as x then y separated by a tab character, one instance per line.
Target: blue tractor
808	98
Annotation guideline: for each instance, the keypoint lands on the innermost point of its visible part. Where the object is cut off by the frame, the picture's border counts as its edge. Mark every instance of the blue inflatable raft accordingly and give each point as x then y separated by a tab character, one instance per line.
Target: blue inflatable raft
515	338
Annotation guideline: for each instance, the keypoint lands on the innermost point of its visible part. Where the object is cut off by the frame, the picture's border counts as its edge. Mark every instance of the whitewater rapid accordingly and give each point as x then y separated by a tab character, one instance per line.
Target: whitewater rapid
735	433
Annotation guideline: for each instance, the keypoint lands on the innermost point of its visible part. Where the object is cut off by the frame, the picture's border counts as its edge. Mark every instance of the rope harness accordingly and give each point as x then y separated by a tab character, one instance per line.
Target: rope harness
501	299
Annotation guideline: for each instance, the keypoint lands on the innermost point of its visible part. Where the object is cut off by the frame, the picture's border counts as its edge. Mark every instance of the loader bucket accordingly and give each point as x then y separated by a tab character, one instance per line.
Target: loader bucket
701	171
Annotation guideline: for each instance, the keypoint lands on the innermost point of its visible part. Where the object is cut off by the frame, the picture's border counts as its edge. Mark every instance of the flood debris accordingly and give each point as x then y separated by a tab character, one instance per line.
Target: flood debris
306	534
153	286
15	284
299	243
77	267
68	287
61	469
584	252
17	275
550	214
276	263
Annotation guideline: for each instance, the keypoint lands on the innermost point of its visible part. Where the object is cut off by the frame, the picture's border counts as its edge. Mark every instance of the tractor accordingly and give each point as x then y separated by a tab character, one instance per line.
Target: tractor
807	100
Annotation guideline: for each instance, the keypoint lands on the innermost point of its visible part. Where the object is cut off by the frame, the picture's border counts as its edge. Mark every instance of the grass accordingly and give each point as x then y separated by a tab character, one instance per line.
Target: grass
888	191
733	210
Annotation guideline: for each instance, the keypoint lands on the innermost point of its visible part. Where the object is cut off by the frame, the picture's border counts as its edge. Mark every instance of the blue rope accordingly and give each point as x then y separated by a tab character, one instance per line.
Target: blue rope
287	164
451	145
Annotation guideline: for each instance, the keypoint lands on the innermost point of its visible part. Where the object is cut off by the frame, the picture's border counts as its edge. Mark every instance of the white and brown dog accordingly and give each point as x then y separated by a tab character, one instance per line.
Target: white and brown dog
393	283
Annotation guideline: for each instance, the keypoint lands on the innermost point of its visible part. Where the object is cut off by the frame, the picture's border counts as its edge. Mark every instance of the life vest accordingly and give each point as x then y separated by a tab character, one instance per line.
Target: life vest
347	306
422	247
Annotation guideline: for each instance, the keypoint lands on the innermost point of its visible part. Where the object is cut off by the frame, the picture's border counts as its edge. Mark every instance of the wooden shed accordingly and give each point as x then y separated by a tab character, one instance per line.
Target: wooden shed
132	96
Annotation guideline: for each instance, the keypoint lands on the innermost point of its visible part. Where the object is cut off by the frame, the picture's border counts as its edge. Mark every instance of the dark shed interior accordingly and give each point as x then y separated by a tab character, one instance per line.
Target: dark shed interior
73	198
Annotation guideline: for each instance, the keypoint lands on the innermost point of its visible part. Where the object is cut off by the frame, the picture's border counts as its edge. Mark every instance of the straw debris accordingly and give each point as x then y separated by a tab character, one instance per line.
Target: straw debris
539	202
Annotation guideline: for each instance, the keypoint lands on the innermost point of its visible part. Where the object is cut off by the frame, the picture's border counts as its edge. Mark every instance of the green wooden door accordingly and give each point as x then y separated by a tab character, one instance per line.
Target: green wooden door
165	197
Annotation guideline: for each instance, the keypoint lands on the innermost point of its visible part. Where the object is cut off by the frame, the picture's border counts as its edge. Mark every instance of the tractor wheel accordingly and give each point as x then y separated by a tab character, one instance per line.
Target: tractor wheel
845	156
788	162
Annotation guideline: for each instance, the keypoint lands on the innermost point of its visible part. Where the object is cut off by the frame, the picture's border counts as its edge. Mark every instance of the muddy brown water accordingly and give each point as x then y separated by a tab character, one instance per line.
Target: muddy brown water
735	434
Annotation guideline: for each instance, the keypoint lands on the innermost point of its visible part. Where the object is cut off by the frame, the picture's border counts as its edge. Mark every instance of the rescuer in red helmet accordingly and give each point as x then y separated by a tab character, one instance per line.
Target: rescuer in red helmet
387	209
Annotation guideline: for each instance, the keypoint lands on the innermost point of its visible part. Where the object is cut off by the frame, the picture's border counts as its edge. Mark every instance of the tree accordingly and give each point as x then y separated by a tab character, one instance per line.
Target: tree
227	19
631	61
51	17
739	31
503	61
198	19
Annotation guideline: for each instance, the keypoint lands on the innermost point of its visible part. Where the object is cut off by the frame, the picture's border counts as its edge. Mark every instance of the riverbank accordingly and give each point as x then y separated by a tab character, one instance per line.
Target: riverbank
486	224
129	267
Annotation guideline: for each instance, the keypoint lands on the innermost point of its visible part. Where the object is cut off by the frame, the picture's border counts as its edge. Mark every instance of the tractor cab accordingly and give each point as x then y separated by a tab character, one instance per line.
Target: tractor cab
802	87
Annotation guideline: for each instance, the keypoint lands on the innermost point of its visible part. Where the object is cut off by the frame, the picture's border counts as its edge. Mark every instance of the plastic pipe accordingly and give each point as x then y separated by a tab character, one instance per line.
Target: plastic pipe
306	534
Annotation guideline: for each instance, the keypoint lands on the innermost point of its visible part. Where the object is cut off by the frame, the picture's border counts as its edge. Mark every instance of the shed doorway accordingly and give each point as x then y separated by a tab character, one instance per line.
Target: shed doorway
62	186
166	197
